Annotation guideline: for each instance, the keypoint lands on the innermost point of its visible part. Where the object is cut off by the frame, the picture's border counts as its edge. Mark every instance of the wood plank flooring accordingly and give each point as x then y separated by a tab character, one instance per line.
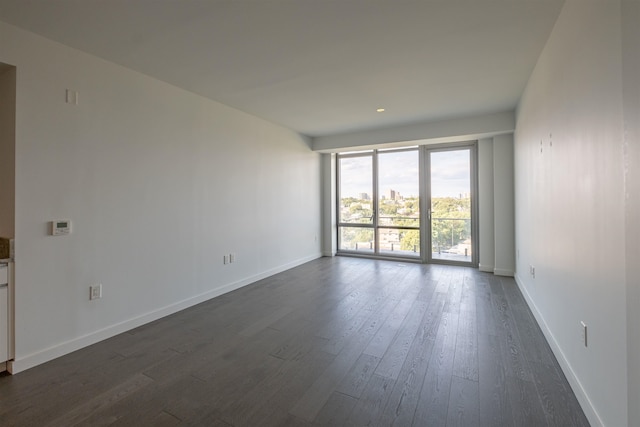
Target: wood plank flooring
337	341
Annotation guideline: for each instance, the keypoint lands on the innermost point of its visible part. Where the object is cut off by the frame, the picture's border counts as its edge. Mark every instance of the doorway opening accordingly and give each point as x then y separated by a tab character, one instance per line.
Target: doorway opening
450	196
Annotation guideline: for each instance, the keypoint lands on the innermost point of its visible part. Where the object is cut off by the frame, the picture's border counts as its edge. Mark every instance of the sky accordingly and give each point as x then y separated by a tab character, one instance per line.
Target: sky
399	171
450	175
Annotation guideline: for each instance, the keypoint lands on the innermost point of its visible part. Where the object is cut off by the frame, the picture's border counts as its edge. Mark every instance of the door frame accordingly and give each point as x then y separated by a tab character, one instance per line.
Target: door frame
425	190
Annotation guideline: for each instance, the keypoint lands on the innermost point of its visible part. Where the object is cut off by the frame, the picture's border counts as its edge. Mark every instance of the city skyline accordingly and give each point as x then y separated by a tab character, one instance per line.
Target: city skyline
450	174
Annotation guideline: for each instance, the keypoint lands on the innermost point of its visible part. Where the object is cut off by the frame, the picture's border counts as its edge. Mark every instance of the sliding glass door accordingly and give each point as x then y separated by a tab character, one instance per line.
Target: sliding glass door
451	187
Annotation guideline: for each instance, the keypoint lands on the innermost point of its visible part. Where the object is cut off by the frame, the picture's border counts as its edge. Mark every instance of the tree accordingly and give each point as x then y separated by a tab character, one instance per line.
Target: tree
450	221
388	209
363	235
410	240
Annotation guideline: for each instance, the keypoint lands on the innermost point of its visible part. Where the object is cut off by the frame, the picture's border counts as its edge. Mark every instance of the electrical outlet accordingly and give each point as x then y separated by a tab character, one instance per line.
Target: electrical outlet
225	259
95	291
532	271
71	97
583	334
232	257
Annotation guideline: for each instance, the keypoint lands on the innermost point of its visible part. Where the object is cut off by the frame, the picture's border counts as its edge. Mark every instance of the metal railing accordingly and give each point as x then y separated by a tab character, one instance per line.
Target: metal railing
451	236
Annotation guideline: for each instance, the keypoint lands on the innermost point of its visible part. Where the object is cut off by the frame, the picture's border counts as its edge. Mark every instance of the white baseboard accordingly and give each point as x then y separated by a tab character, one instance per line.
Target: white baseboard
501	272
485	268
34	359
574	382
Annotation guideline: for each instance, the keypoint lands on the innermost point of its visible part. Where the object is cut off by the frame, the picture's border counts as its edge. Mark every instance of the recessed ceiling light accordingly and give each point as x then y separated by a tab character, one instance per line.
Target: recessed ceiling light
380	110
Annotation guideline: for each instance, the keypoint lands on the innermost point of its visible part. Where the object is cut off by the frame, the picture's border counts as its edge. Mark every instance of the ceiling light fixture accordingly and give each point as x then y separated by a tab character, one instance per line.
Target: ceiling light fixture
380	110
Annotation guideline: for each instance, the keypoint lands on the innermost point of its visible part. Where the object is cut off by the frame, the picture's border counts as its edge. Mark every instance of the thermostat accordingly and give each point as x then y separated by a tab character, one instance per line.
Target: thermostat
60	227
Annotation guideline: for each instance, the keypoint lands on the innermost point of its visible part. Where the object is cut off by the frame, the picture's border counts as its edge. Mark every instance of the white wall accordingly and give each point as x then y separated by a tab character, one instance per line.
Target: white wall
7	149
631	99
503	201
486	238
495	205
570	203
159	183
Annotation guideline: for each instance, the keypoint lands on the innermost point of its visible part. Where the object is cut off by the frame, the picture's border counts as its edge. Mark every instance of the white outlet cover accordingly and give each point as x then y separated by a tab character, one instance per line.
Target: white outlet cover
95	292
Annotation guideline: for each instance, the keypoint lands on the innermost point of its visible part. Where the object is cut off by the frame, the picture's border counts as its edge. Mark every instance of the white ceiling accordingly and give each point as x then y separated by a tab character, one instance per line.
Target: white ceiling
320	67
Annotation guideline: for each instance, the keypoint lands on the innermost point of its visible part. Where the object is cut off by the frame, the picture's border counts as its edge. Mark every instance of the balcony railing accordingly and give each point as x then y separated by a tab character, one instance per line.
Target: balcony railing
451	238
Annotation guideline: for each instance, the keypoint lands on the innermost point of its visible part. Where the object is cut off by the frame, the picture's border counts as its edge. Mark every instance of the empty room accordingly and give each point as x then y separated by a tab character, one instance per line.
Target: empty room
320	213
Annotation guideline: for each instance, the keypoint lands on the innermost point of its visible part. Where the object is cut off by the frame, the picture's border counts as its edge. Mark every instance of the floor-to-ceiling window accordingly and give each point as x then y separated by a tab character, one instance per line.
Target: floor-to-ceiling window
398	202
356	203
379	203
381	194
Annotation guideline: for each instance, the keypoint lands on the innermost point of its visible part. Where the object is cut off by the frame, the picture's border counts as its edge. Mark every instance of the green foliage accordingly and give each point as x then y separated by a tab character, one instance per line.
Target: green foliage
450	222
348	201
410	240
355	210
363	235
450	207
388	209
353	235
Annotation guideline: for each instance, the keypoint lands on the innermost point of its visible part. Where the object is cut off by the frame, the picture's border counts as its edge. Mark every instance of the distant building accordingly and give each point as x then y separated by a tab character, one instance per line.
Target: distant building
389	236
392	195
364	196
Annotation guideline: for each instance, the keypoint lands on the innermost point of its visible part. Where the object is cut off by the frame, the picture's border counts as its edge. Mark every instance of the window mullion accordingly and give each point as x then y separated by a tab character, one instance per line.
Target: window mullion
376	234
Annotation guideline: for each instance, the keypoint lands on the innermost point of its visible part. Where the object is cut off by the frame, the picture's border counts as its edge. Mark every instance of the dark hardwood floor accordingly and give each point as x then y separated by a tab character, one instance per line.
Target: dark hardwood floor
337	341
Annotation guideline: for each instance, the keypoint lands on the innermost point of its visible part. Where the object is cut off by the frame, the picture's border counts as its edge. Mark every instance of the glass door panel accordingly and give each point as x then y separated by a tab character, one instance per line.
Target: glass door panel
399	203
450	215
